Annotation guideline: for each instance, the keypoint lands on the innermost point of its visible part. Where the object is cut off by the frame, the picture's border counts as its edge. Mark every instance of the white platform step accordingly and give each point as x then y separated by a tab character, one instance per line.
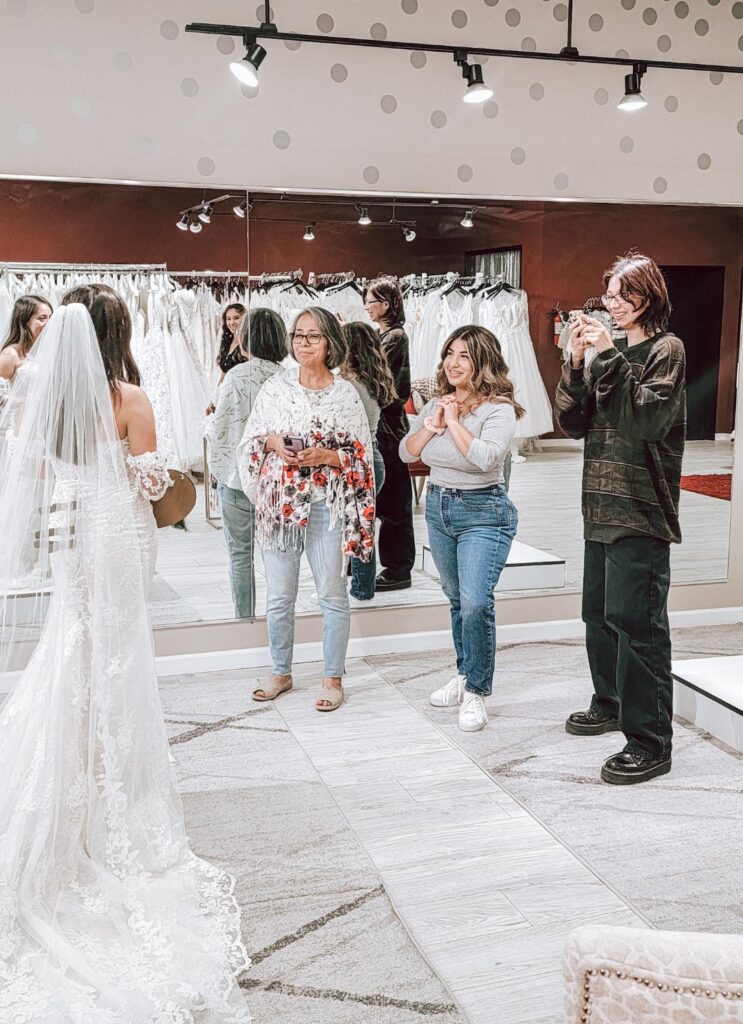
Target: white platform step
527	568
709	693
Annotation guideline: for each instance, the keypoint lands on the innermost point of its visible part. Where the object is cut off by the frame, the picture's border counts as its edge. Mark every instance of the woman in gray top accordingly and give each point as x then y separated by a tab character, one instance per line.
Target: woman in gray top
367	369
262	345
464	435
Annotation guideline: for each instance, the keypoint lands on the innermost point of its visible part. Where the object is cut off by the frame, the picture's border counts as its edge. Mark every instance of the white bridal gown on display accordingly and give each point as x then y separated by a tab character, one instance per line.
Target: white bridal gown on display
106	915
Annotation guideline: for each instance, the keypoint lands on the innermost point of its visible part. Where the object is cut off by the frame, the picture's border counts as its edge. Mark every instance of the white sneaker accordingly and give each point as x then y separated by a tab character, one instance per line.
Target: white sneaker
450	695
472	714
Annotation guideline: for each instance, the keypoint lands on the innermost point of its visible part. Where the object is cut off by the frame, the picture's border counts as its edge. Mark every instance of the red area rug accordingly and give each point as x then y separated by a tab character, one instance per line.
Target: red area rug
716	485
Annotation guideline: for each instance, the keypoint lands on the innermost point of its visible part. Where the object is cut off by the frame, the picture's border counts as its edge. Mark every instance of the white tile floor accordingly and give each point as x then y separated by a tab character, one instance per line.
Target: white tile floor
193	584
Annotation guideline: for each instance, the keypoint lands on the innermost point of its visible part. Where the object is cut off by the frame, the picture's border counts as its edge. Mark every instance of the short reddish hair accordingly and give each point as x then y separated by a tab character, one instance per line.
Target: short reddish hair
641	278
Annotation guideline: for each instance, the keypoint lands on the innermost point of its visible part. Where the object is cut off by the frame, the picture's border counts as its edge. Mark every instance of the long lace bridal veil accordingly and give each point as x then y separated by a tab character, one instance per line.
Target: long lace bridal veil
106	916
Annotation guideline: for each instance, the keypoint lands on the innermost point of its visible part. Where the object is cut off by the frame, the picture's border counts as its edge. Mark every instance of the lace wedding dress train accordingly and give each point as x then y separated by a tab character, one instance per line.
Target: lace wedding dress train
106	915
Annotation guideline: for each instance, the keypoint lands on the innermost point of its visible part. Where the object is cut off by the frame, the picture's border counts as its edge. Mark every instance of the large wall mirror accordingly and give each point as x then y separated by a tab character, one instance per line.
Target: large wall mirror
193	265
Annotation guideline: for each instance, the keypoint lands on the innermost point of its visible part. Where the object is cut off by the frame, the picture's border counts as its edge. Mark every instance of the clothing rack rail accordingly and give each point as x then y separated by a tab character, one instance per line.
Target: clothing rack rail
132	268
244	275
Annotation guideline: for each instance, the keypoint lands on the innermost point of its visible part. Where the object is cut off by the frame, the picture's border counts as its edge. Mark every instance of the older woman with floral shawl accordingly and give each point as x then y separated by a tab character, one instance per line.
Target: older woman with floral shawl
305	460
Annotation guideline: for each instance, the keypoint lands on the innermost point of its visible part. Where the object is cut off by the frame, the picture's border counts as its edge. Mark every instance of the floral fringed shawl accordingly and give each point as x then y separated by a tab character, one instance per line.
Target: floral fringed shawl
282	494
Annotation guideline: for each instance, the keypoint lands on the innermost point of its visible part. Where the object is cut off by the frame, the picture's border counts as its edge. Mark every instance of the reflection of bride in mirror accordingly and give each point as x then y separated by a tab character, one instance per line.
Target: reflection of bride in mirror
29	316
105	913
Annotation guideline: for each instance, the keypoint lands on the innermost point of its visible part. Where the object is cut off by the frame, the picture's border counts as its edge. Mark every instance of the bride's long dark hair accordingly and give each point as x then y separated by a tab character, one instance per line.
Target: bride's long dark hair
113	326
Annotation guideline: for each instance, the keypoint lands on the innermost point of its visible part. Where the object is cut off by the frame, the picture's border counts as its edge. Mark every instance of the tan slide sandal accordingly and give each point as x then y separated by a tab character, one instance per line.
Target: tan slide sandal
334	697
273	689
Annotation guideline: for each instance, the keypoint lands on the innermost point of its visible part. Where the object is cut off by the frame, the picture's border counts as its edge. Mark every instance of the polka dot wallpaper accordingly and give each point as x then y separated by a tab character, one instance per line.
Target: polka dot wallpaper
119	91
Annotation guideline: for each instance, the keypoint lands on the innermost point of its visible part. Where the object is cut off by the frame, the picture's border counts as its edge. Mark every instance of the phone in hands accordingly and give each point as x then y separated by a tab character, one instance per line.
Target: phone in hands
293	443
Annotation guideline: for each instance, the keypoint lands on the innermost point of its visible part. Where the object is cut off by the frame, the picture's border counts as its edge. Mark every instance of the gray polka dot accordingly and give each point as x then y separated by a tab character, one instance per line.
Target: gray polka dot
325	23
226	45
292	44
621	53
378	30
650	15
28	134
713	3
740	43
418	59
438	119
18	8
626	144
629	5
85	6
371	175
81	107
491	3
282	140
513	18
483	58
560	12
659	186
144	145
664	43
250	91
701	27
169	30
601	96
561	181
536	91
681	10
190	87
671	104
123	61
490	109
339	72
206	166
704	161
528	45
716	77
740	127
388	104
595	23
518	156
459	19
465	172
409	6
738	10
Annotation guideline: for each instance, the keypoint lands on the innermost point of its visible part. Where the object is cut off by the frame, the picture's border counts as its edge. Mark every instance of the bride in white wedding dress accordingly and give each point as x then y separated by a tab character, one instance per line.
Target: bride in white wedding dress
106	915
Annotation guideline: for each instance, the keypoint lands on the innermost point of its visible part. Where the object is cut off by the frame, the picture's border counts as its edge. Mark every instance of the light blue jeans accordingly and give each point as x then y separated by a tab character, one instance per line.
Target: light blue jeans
238	522
470	534
324	548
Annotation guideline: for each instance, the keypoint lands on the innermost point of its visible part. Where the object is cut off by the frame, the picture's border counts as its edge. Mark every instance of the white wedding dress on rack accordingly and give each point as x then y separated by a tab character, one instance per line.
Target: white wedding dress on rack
106	915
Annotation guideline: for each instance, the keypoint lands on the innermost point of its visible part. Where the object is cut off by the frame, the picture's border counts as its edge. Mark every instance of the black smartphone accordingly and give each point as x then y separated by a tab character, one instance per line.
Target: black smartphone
294	444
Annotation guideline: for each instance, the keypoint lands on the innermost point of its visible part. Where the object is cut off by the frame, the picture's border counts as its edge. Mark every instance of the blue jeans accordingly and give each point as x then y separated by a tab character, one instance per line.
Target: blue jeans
238	521
364	574
324	549
470	534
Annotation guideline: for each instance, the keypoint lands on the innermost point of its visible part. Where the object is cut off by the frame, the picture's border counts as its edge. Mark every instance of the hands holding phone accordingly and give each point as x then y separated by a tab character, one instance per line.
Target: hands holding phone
294	452
587	332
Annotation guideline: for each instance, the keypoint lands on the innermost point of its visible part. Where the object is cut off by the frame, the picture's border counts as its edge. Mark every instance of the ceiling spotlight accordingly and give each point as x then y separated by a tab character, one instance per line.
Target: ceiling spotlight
195	226
205	213
633	98
246	70
182	224
467	221
309	234
476	91
409	234
241	209
364	218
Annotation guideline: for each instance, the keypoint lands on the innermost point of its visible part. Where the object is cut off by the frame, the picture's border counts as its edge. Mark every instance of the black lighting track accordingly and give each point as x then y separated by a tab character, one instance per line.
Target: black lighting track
569	54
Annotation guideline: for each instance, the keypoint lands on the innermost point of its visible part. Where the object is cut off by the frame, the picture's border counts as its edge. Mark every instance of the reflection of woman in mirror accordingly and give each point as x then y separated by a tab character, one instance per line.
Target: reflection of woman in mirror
262	342
384	305
230	352
366	367
306	462
630	407
29	317
464	435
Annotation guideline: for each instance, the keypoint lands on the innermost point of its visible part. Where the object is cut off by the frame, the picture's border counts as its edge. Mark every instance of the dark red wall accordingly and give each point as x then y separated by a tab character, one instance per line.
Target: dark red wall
565	246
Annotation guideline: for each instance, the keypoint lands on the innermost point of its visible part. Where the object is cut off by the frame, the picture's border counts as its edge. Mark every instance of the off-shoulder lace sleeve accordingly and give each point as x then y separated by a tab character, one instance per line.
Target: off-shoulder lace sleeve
148	475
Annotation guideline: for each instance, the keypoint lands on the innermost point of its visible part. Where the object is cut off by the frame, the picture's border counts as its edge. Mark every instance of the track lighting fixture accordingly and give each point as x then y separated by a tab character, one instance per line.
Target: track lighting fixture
241	209
364	218
195	226
205	213
246	70
182	224
467	221
476	91
309	234
633	98
409	233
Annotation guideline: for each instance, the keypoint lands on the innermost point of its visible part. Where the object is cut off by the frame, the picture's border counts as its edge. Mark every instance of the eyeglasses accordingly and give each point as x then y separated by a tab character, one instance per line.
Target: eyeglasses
621	299
312	338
